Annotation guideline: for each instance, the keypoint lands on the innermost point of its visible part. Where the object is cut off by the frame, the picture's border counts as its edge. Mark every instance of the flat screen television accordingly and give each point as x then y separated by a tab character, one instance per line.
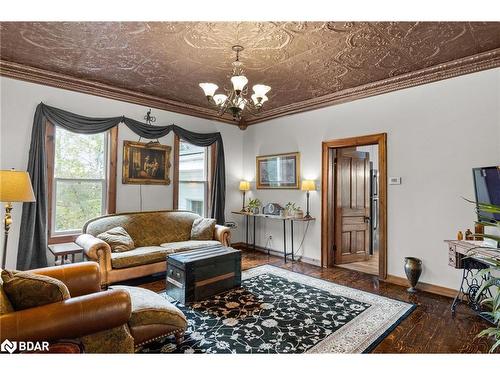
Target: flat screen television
487	188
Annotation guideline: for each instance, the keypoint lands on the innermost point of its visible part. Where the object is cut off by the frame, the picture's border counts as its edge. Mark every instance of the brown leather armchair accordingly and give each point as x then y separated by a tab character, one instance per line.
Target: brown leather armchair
87	312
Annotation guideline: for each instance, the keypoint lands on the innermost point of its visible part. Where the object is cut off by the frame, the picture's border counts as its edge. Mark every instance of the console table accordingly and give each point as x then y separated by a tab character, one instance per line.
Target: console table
471	257
291	219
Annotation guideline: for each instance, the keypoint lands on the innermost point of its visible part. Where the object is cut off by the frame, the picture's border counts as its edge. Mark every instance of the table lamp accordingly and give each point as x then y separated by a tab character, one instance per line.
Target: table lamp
244	187
308	185
15	186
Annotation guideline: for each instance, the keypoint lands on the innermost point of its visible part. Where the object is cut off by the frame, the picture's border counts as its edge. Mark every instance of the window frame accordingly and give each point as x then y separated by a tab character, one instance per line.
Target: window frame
109	191
211	156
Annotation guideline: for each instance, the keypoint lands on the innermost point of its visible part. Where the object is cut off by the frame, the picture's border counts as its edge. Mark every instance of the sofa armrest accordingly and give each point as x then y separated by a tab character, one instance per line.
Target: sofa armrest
79	278
72	318
223	235
98	251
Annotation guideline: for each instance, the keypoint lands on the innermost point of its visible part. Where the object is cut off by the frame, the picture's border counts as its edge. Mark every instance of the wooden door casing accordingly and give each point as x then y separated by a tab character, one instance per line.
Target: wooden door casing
352	206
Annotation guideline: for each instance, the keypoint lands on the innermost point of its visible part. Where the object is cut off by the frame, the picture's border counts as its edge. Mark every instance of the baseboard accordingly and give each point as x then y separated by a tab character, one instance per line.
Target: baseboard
242	246
425	287
391	279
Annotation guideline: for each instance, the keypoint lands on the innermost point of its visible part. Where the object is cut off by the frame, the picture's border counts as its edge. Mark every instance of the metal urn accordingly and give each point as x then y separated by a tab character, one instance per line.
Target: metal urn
413	270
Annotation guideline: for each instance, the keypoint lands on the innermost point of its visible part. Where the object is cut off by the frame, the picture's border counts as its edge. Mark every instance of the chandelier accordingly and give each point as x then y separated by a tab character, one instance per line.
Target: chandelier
235	101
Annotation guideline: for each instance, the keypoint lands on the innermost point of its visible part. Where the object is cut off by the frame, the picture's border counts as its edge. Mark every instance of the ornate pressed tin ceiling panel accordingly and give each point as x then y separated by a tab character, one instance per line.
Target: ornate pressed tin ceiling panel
307	64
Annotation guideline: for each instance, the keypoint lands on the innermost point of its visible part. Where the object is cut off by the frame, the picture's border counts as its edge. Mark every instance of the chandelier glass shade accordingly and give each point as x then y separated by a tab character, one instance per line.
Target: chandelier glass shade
234	100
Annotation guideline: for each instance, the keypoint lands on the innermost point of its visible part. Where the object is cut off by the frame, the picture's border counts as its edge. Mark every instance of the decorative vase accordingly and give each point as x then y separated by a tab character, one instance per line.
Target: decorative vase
413	270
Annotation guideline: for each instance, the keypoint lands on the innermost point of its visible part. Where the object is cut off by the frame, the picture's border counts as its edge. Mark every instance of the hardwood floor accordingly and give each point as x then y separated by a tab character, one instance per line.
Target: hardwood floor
429	329
369	266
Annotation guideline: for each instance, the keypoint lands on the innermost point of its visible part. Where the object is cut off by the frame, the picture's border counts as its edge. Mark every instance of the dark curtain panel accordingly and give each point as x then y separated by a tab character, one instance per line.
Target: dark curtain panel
33	234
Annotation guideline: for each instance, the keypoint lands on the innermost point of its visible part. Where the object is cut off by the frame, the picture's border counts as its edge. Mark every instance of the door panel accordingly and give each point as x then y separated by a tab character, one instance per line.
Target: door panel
352	210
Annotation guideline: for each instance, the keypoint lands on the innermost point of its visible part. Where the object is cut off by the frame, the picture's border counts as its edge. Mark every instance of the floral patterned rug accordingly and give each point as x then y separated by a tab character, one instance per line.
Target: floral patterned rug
280	311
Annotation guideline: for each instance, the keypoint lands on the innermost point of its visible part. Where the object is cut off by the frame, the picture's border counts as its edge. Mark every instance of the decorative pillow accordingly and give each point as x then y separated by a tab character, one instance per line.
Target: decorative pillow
203	229
26	290
118	239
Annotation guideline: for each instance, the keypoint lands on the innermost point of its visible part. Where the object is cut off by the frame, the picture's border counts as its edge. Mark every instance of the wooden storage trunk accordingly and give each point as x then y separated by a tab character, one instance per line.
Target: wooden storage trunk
197	274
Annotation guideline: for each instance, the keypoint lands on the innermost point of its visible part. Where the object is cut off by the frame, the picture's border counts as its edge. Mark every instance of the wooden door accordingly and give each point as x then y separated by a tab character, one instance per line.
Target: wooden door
352	206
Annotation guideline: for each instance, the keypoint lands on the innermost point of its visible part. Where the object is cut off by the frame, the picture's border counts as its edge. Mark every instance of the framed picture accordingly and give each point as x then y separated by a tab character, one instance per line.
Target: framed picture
146	163
281	171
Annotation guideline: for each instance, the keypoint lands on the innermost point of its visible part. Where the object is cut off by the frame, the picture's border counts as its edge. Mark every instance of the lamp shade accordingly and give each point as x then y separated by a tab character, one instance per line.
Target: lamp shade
15	186
219	99
244	185
209	88
261	90
239	82
308	185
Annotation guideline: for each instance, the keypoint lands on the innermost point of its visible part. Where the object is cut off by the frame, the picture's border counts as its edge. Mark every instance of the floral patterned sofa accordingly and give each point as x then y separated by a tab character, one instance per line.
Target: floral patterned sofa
156	234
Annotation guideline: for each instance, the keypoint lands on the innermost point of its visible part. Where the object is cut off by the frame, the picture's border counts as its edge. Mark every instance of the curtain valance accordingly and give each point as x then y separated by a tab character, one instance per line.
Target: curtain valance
33	235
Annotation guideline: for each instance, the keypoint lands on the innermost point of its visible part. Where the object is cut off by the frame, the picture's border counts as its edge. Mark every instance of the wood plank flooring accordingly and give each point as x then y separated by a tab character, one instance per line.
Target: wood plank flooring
429	329
369	266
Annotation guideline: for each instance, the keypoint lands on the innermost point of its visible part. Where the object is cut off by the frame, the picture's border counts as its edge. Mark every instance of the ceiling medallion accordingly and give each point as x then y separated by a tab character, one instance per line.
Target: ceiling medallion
235	102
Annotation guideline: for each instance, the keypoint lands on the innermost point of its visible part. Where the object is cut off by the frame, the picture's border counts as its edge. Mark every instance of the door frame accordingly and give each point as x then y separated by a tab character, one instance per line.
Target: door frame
327	204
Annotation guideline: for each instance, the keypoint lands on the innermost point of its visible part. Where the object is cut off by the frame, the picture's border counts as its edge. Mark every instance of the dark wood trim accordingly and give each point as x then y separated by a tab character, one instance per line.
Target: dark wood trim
466	65
326	186
451	69
50	148
48	78
113	169
425	287
175	197
211	175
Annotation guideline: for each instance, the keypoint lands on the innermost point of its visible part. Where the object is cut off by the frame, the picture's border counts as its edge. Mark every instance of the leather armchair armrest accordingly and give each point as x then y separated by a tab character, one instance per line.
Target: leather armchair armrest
98	251
223	235
72	318
80	278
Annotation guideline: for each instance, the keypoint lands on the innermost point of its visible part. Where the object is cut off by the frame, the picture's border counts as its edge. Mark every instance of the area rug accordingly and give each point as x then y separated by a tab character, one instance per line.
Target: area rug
280	311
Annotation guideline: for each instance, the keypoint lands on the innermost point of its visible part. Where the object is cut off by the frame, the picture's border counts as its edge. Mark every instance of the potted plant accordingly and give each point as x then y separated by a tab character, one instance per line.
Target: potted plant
492	304
253	205
291	209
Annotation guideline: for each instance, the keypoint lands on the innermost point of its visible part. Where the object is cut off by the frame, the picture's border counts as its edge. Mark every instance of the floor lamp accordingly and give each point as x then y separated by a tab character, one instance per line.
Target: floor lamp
15	186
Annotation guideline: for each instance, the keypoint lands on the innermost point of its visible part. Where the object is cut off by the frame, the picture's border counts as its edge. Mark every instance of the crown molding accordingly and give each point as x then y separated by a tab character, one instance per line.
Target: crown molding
62	81
454	68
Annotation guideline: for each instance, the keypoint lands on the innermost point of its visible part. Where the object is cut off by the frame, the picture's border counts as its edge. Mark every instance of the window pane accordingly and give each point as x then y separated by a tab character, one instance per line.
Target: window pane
192	197
192	162
77	202
79	155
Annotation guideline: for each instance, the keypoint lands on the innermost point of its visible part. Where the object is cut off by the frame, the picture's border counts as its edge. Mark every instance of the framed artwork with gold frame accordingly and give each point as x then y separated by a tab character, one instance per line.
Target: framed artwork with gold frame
279	171
146	163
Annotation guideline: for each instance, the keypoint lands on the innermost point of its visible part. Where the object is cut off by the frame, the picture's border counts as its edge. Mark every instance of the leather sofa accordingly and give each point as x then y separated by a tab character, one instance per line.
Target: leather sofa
156	234
118	320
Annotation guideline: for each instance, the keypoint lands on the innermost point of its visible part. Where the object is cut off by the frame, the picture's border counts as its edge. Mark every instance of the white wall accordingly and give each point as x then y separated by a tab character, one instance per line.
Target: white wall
436	134
18	102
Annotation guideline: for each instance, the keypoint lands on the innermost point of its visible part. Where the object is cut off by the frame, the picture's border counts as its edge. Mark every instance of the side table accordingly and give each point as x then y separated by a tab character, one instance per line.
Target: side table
62	250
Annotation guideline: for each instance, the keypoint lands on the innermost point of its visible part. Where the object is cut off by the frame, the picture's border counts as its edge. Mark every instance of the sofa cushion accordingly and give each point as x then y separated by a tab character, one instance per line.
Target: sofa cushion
149	307
118	239
153	254
203	229
176	247
139	256
147	228
25	289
